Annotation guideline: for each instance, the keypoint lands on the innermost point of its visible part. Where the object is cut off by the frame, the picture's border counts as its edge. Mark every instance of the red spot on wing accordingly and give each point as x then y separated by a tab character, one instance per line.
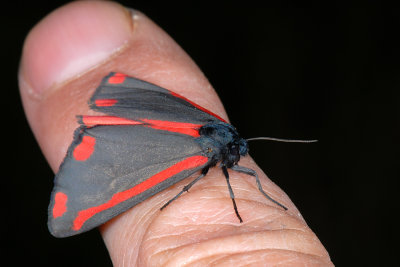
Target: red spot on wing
60	204
105	102
85	149
198	106
189	163
117	78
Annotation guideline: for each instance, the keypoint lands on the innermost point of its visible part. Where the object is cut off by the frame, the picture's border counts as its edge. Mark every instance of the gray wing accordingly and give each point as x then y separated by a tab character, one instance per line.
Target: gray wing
131	98
109	169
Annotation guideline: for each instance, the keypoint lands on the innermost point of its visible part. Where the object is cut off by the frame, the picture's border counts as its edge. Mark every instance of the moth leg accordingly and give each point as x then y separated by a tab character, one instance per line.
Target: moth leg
254	173
187	187
225	171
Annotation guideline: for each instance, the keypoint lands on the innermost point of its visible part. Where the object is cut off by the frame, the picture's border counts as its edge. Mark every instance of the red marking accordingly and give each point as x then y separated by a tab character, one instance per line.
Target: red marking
117	78
105	102
176	127
60	204
171	126
189	163
197	106
84	150
107	120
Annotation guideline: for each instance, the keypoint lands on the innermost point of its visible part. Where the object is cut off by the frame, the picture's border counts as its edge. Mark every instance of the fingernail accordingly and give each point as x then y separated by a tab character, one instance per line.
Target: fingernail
71	40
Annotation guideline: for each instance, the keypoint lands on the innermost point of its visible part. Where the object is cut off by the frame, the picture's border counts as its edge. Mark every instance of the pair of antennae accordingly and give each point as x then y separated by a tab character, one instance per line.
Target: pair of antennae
281	140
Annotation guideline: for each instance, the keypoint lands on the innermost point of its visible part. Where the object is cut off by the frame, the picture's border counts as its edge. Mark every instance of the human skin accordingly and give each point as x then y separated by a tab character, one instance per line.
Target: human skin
63	60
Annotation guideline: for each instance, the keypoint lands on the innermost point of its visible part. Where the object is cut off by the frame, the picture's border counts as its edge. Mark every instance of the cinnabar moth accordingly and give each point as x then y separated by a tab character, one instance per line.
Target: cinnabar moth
149	139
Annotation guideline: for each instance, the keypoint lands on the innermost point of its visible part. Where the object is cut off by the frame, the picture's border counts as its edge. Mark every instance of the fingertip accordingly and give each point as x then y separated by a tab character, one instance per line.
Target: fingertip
71	40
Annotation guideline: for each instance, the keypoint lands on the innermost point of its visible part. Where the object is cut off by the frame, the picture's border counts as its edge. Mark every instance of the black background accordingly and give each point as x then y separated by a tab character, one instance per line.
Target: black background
329	73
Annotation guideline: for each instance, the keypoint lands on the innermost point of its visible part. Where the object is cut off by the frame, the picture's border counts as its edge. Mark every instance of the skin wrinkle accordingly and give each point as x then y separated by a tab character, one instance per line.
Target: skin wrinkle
130	255
165	251
136	231
252	236
196	215
285	226
295	256
252	259
240	200
238	191
172	262
228	257
150	215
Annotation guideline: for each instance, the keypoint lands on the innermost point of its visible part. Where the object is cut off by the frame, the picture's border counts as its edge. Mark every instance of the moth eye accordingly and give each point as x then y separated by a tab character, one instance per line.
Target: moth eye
234	150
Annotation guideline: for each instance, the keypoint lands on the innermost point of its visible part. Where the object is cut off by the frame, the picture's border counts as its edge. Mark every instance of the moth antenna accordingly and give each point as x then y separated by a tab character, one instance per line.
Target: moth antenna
281	140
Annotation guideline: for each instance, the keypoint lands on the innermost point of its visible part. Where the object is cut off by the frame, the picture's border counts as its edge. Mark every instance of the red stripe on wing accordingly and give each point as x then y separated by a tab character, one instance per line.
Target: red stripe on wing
189	163
105	102
198	106
176	127
107	120
171	126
